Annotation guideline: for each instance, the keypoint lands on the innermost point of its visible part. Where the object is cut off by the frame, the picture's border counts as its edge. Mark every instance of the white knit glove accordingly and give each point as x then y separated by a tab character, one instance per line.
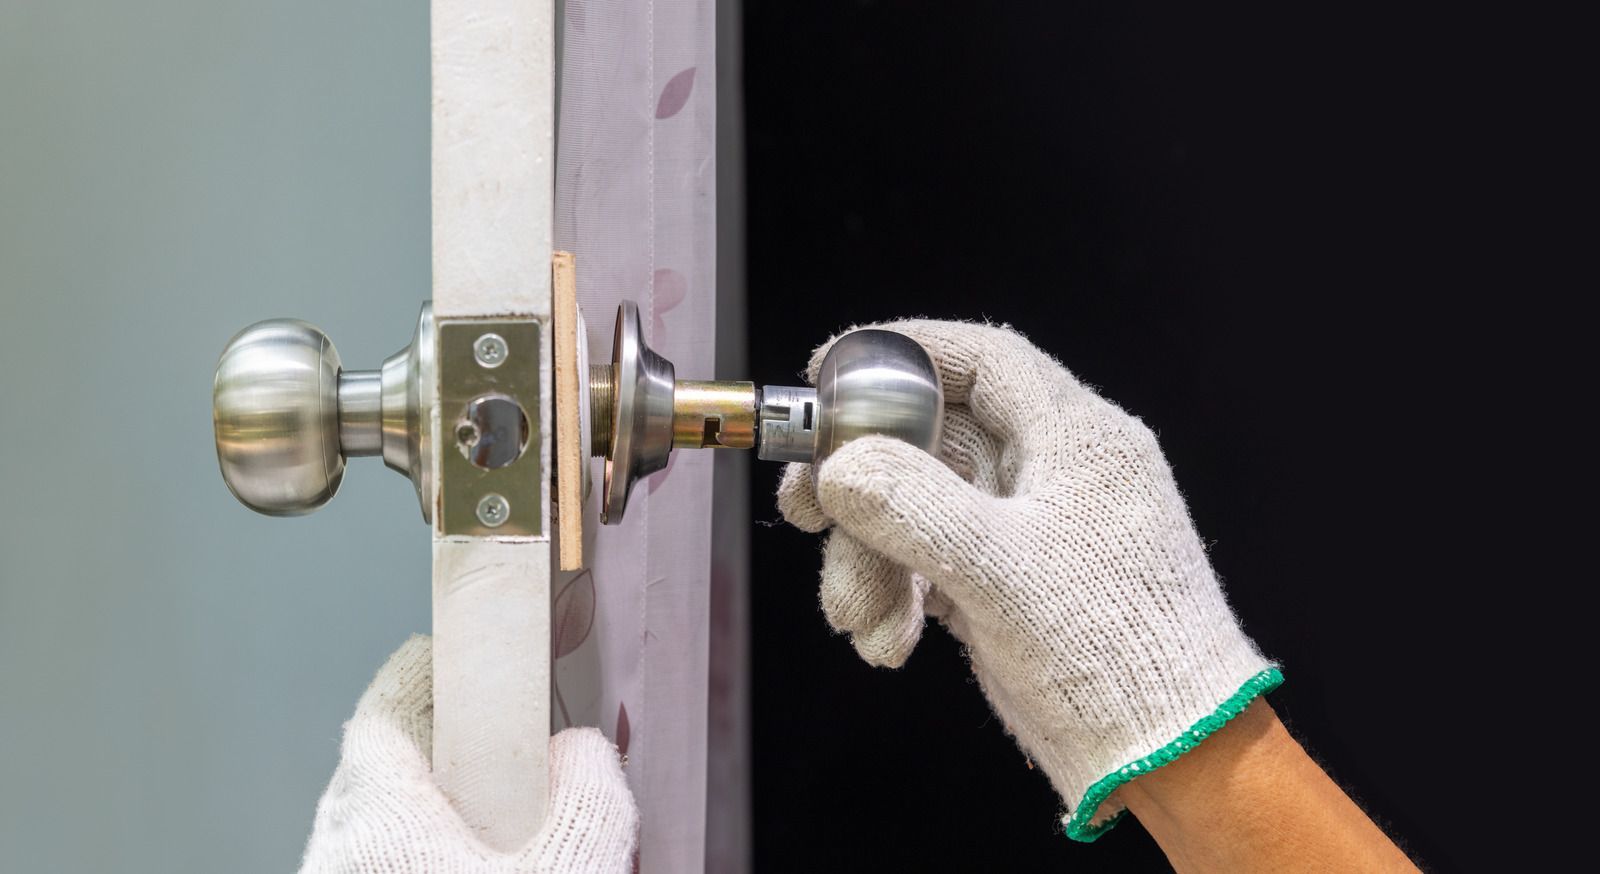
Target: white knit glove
1050	538
383	813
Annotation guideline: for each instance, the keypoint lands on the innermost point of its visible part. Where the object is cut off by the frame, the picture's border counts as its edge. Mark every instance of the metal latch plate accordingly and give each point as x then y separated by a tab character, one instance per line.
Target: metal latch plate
489	439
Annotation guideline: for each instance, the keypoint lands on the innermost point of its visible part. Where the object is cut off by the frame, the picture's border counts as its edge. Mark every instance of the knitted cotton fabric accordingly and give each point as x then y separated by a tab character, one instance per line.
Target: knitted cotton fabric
1049	537
382	813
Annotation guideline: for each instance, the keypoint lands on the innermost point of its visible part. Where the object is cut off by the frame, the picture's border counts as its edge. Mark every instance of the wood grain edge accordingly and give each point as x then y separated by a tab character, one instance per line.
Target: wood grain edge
568	407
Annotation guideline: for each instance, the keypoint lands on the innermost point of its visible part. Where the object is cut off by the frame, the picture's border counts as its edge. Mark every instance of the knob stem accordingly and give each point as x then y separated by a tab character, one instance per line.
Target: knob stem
360	413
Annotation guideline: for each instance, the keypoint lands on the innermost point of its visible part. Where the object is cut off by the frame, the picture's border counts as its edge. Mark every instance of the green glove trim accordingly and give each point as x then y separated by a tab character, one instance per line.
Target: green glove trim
1078	826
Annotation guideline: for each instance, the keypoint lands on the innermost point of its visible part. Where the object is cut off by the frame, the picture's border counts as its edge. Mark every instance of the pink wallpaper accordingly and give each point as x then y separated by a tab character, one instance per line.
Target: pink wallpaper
635	201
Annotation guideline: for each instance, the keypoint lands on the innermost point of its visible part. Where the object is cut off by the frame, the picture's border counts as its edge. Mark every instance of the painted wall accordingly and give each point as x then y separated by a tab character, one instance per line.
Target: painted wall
174	670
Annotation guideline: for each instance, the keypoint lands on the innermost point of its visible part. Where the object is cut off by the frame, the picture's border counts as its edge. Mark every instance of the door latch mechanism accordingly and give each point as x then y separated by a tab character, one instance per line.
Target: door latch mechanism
286	414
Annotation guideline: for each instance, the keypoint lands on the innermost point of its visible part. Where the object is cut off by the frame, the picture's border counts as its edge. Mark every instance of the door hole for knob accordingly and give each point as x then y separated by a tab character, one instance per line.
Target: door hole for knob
493	431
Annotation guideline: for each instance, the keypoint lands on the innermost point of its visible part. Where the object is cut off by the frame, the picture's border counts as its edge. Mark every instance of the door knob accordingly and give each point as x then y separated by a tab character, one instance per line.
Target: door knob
286	414
870	382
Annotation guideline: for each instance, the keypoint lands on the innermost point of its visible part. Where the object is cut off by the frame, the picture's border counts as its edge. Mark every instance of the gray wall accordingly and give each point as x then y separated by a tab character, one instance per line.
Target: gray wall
174	669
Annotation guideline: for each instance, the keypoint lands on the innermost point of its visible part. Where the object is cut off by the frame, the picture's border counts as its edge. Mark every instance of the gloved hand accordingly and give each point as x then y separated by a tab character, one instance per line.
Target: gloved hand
383	813
1050	538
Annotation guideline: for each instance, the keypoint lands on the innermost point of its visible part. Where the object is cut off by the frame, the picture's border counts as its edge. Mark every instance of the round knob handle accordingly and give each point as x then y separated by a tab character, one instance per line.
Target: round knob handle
870	382
287	416
877	382
275	409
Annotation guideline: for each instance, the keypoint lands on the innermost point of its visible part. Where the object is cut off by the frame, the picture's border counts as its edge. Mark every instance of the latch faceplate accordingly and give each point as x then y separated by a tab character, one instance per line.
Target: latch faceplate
489	461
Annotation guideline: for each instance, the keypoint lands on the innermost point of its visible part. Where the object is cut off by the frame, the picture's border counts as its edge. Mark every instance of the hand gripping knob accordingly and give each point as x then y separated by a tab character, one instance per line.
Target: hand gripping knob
286	415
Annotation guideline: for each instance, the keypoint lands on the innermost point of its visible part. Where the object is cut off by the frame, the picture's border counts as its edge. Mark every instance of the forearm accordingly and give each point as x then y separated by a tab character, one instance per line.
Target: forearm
1250	799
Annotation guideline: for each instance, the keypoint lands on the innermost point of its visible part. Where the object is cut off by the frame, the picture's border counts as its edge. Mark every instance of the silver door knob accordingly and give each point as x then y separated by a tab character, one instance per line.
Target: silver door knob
870	382
286	414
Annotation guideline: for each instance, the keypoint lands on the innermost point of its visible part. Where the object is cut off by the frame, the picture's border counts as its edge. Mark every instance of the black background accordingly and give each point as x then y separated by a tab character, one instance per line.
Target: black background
1279	235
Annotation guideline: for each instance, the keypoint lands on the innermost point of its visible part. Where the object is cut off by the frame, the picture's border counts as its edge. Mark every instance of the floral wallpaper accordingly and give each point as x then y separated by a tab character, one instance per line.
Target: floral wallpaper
635	202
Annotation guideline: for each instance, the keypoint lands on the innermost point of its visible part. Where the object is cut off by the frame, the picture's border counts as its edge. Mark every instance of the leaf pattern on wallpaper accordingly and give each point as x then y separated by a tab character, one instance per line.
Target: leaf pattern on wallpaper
668	289
624	731
676	94
574	609
573	620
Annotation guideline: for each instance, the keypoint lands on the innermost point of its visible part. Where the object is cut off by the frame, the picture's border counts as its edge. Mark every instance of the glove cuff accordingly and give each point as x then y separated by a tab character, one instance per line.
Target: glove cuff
1085	823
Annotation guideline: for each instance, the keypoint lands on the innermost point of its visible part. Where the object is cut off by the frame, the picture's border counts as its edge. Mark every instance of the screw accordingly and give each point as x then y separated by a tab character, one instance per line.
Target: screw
490	350
493	510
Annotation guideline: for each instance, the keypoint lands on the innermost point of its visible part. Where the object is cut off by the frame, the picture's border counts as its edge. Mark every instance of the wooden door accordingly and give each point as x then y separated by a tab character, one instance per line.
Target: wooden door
493	64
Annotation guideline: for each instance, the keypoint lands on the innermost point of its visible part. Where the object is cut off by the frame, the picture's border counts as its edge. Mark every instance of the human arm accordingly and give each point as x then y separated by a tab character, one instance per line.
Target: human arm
1250	799
1048	536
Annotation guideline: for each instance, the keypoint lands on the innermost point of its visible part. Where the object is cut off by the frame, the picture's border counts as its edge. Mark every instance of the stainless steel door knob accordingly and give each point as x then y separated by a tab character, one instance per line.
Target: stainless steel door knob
286	415
870	382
